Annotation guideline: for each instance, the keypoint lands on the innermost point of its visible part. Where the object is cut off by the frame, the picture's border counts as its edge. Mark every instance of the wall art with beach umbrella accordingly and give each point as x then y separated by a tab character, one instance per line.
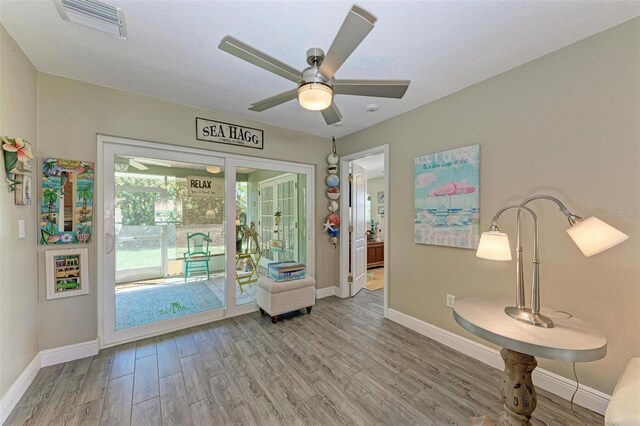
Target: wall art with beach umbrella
447	198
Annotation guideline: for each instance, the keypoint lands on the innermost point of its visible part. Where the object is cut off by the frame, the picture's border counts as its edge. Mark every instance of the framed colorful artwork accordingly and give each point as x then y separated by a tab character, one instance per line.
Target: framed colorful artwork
67	273
447	198
381	210
66	208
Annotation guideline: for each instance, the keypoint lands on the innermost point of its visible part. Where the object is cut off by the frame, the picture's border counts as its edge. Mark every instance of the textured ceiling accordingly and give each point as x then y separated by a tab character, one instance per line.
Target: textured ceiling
171	52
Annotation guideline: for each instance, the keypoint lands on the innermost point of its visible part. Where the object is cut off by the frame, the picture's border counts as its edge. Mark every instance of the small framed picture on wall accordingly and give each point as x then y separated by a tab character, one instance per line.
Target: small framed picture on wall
67	273
381	210
380	197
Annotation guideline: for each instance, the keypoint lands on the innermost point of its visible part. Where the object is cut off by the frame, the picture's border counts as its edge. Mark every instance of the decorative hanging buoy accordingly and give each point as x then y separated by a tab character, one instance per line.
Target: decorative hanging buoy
333	193
333	181
332	158
332	224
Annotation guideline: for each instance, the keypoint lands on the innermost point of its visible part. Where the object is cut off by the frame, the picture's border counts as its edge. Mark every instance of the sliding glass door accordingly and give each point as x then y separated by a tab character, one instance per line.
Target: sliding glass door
165	250
185	234
169	239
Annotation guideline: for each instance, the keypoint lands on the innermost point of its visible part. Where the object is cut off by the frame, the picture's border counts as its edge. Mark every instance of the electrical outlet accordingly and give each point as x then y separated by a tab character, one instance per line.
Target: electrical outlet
451	299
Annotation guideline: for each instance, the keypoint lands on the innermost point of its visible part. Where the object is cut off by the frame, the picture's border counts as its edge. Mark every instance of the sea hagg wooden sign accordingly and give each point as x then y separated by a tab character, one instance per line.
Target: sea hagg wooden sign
227	133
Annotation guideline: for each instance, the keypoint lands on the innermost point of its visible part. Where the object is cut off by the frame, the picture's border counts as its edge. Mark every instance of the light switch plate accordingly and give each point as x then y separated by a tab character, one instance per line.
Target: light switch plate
21	231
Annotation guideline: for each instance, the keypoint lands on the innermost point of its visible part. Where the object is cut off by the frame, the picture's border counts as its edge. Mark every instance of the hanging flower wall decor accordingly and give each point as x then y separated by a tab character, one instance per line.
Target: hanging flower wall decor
16	152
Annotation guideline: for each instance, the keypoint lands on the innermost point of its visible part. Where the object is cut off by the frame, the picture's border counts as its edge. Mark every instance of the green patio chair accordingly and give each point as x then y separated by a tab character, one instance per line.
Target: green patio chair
196	259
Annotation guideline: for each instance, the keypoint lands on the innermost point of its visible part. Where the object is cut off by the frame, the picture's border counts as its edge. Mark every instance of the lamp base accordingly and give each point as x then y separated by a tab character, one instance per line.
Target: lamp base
525	315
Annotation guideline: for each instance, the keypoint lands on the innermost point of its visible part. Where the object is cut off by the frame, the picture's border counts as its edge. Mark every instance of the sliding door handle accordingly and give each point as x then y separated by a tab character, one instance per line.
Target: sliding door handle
109	224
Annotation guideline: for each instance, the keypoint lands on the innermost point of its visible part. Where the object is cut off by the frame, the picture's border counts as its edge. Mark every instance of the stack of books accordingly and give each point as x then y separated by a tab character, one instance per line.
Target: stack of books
287	271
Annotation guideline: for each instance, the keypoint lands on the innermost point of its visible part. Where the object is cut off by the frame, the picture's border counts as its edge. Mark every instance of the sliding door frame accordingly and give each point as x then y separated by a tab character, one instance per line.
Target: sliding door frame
105	240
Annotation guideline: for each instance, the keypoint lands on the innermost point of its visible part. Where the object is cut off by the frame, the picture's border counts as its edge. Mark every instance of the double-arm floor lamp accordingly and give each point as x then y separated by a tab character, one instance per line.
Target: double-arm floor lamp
591	235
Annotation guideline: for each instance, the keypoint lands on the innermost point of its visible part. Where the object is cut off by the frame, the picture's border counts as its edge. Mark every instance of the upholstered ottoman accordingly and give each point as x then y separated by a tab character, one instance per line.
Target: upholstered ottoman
276	298
624	407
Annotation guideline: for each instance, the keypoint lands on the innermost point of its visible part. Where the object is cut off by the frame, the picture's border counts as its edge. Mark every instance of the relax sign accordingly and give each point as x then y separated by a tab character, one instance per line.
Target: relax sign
232	134
205	187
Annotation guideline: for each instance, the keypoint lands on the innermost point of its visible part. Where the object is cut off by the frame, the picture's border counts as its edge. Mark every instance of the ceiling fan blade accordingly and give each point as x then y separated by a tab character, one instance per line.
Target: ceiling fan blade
332	114
264	61
378	88
354	29
274	100
154	162
137	165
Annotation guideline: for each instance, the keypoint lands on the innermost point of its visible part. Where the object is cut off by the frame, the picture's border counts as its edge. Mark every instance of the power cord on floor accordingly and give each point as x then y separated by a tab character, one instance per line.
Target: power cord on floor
567	315
574	394
560	315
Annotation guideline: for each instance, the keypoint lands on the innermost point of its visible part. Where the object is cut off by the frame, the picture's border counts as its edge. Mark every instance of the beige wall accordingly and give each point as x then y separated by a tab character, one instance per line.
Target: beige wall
18	277
373	187
567	124
70	115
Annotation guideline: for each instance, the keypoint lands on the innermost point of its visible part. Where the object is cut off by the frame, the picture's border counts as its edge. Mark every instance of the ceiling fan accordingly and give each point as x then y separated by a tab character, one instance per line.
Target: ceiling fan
316	84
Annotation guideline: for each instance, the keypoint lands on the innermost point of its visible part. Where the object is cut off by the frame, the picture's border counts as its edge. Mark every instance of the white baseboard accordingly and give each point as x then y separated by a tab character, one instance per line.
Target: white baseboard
327	291
18	388
43	359
68	353
586	397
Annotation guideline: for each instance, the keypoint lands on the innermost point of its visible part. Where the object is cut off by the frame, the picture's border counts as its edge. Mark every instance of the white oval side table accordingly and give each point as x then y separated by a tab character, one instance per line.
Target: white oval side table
571	339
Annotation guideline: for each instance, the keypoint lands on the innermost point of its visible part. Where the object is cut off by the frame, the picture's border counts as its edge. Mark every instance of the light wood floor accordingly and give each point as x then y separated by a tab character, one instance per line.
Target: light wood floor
375	279
343	364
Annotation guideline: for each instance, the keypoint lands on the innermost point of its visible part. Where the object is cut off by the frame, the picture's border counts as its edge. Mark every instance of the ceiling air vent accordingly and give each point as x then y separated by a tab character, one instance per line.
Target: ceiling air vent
93	14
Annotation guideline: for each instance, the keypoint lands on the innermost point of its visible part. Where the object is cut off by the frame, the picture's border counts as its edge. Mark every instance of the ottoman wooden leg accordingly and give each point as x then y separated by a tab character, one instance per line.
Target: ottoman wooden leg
274	319
309	309
261	311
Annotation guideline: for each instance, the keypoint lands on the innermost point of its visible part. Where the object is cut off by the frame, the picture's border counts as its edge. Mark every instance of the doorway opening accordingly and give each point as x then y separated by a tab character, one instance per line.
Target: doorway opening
364	258
374	220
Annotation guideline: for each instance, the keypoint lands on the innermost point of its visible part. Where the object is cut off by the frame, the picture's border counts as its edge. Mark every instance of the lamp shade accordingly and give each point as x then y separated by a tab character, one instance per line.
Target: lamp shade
315	96
494	245
593	236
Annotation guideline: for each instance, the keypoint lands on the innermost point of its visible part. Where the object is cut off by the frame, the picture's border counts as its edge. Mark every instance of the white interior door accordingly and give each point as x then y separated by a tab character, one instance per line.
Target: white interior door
266	199
280	241
359	233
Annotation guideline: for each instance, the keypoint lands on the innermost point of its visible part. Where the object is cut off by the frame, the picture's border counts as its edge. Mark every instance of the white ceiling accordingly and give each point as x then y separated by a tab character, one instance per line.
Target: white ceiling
171	52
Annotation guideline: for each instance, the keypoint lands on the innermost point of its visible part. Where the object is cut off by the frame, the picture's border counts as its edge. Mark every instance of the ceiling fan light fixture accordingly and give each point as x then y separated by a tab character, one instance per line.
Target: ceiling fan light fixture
315	96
